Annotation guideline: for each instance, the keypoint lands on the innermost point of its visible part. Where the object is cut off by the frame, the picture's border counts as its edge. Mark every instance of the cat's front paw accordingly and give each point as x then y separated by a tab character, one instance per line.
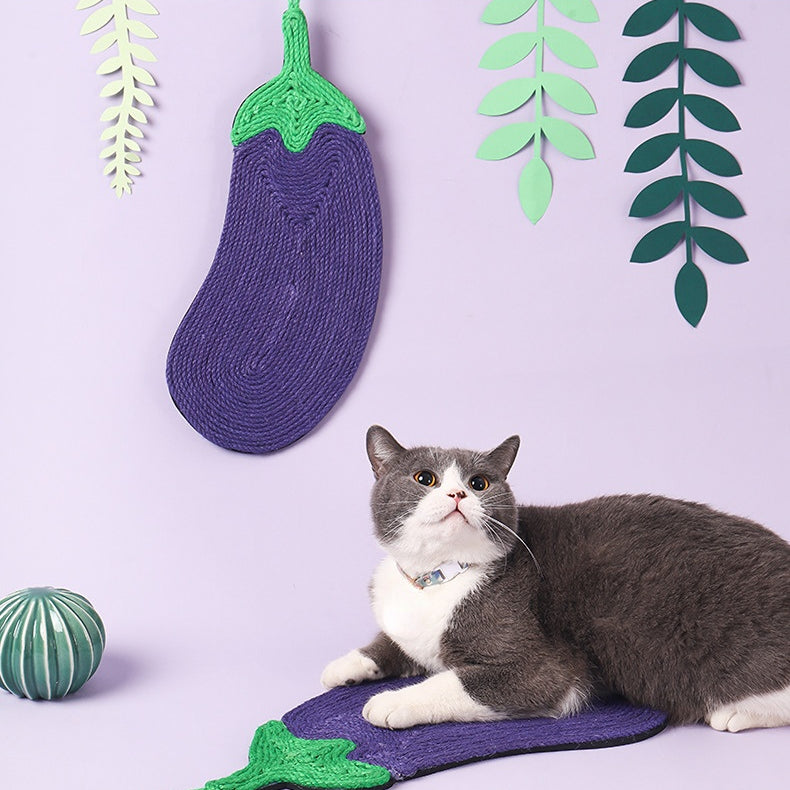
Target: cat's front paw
394	710
442	697
350	669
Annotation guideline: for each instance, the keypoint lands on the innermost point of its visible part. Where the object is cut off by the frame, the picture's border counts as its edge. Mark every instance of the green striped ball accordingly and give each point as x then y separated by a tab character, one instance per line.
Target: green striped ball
51	642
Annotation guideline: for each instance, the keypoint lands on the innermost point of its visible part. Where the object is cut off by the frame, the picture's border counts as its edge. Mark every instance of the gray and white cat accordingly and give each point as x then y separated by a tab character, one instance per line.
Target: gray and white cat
518	611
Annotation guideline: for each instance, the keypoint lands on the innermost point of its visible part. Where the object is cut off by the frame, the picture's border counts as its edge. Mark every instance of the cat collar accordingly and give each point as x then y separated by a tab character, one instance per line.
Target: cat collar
443	573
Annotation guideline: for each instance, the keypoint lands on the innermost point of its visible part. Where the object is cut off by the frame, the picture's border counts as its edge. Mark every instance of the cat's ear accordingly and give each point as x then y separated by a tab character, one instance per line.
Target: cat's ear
382	448
504	455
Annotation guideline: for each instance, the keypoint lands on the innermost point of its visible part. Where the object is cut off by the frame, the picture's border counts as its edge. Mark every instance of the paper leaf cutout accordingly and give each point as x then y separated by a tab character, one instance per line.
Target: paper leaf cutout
141	6
97	20
691	291
535	184
110	65
652	108
569	48
713	157
123	152
712	113
112	88
650	17
534	189
652	62
658	242
652	153
508	96
719	245
711	22
508	51
568	93
104	42
712	68
500	12
716	199
140	29
656	197
506	141
577	10
569	139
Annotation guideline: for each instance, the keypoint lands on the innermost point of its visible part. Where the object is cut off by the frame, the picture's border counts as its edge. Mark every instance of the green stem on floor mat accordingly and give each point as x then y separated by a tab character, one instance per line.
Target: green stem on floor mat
279	758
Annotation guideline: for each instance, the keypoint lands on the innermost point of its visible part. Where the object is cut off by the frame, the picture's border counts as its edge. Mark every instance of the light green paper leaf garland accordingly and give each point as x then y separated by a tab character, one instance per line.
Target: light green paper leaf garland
124	151
691	291
536	185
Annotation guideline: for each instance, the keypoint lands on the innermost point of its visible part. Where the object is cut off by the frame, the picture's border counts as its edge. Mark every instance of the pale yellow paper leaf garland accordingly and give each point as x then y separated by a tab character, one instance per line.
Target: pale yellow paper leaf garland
123	152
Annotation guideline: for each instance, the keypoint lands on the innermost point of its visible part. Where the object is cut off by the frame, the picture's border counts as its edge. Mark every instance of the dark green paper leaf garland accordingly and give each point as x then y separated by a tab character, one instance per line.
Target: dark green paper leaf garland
691	290
536	184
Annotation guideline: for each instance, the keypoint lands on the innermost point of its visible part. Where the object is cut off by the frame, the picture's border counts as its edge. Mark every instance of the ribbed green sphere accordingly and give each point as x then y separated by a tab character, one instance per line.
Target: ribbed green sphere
51	642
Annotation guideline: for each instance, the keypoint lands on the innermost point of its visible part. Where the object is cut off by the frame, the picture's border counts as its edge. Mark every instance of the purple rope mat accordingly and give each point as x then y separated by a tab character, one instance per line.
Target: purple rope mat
326	743
278	328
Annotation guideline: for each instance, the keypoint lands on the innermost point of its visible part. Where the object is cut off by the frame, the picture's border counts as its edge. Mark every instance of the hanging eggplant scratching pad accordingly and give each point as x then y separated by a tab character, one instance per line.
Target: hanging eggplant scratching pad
326	743
278	328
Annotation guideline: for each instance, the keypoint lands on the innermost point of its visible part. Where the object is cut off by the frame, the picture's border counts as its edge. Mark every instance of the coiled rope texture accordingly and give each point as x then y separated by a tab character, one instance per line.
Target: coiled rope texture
279	327
326	743
431	747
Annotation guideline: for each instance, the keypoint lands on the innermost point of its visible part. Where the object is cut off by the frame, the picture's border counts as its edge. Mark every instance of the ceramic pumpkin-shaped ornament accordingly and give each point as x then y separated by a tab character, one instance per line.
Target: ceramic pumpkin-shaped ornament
51	642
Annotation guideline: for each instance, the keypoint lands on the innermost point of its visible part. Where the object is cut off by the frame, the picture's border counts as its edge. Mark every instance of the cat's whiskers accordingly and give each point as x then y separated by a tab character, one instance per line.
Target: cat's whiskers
494	535
392	528
496	496
491	520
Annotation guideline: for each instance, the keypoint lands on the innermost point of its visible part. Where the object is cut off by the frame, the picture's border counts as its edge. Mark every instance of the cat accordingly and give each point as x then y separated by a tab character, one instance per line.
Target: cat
520	611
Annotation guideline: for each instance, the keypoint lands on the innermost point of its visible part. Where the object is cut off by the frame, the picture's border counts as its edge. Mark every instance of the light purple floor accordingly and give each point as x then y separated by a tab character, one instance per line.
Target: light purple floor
226	582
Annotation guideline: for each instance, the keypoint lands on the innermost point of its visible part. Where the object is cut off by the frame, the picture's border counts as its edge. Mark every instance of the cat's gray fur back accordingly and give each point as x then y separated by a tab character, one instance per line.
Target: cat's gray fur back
669	603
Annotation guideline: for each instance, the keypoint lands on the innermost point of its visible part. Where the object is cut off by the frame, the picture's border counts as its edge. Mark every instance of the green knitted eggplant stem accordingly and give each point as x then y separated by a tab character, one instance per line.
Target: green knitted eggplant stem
298	100
279	758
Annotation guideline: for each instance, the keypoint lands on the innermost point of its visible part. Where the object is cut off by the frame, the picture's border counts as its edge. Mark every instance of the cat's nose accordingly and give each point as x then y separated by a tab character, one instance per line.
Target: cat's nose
457	495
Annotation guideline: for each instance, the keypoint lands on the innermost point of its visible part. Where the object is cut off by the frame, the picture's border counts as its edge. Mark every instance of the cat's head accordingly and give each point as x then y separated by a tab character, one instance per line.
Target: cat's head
432	505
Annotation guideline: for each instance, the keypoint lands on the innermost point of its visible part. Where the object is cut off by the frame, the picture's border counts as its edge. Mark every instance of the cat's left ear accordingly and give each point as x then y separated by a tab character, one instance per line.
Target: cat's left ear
504	455
382	448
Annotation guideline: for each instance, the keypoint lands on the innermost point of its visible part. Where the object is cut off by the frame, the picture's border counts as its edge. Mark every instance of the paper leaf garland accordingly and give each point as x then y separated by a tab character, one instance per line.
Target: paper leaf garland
126	82
535	184
691	291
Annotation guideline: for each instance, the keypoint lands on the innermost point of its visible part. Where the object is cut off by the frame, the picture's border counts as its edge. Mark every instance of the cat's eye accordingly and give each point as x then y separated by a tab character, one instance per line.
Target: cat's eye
479	483
425	478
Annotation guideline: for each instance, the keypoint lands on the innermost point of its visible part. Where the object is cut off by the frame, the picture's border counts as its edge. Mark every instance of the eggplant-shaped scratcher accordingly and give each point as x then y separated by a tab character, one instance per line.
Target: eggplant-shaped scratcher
278	328
325	743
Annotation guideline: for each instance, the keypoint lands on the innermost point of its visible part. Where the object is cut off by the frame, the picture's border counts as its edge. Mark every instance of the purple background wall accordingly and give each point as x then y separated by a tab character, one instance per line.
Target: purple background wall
226	582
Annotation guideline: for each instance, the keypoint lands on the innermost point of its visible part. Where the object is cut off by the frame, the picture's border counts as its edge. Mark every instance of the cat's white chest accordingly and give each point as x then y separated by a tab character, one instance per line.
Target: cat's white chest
417	619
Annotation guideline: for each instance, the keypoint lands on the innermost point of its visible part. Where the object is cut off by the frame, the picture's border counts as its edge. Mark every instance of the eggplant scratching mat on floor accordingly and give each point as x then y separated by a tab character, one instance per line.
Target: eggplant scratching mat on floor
326	743
278	328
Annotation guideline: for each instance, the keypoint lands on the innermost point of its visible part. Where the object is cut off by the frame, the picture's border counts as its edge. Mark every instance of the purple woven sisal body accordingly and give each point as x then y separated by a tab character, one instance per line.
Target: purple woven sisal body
279	327
432	747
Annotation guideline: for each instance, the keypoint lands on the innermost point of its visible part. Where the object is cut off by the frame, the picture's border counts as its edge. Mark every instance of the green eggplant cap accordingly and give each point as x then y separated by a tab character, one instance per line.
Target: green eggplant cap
298	100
